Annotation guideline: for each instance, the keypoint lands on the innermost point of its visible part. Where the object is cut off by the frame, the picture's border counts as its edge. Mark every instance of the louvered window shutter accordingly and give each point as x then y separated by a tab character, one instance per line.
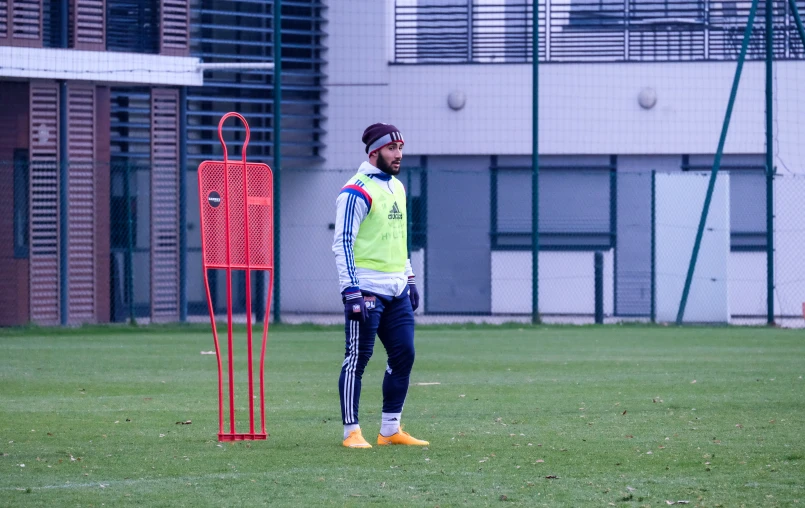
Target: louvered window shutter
175	28
164	205
81	203
25	24
44	203
3	21
87	25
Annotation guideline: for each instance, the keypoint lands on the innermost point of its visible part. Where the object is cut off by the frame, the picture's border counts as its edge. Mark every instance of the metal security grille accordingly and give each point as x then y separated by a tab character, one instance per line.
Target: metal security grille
586	31
132	25
164	205
44	203
242	31
87	24
81	203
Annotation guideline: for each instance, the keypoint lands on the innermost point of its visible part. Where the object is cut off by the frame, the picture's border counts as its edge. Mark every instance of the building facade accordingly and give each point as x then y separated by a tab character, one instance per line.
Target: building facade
456	77
106	114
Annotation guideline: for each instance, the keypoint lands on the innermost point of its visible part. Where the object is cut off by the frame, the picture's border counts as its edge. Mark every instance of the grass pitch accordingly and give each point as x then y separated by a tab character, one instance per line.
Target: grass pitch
522	416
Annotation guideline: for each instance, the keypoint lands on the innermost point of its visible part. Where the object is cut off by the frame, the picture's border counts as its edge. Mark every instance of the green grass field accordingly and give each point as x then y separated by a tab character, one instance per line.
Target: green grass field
525	416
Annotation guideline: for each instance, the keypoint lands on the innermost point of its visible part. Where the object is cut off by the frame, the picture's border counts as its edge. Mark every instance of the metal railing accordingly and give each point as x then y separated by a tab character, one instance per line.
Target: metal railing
500	31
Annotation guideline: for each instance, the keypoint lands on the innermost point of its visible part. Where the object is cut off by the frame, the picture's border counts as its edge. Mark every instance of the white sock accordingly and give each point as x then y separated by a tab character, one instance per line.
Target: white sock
390	424
349	428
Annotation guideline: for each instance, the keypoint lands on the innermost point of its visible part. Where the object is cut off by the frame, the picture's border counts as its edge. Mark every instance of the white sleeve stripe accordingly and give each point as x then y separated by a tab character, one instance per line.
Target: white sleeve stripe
348	239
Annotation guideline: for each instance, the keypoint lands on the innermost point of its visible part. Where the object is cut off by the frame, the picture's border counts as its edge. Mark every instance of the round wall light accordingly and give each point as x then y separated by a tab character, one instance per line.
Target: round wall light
456	100
647	98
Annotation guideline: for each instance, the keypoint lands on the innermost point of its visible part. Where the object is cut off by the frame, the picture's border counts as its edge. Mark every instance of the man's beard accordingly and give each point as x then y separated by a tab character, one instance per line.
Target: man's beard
386	167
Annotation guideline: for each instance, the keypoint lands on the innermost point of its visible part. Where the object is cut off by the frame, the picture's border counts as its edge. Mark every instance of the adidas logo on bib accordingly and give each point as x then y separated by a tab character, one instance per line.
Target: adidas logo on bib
394	213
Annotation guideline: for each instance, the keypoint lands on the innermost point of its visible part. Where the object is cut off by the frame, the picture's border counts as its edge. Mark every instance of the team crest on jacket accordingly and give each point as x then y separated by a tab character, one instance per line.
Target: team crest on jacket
394	213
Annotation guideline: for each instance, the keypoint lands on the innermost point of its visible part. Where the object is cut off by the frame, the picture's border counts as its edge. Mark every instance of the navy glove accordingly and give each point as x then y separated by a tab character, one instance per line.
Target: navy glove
413	294
354	306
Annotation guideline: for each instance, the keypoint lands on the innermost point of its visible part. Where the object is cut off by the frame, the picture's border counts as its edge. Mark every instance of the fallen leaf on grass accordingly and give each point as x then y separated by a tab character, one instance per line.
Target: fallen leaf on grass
503	497
186	422
624	412
552	477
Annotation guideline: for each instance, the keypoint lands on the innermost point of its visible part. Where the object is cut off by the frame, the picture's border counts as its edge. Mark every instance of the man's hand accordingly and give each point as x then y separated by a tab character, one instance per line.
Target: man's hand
413	294
354	306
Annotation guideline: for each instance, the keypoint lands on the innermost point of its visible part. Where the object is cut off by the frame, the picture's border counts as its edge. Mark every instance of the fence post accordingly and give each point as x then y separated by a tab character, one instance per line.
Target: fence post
129	272
599	287
64	197
183	204
276	170
535	317
769	163
653	310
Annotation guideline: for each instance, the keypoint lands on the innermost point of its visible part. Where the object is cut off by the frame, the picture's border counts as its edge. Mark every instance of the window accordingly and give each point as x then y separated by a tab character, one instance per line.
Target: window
133	26
20	203
747	199
574	208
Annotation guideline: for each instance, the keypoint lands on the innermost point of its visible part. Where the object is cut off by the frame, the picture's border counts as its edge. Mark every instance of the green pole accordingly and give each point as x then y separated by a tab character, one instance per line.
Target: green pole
797	20
64	201
717	162
183	204
129	244
769	163
408	206
653	246
277	152
535	164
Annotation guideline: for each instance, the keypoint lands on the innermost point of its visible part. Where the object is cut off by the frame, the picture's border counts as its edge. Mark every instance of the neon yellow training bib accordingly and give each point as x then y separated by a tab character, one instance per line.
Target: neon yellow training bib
382	241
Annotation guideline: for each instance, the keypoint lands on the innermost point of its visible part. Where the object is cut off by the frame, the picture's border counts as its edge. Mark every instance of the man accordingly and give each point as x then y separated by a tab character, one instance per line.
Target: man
377	284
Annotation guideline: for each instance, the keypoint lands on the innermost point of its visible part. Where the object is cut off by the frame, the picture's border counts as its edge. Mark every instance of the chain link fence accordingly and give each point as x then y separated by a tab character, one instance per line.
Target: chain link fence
470	244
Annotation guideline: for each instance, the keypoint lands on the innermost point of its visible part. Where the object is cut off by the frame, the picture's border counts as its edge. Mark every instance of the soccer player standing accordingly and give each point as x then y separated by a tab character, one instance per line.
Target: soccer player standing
377	284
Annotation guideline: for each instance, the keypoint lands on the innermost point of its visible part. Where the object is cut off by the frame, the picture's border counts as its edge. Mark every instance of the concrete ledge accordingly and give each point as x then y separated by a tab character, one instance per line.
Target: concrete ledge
107	67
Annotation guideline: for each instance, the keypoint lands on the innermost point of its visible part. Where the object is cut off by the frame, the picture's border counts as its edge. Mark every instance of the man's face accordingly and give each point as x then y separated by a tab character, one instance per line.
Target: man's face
389	158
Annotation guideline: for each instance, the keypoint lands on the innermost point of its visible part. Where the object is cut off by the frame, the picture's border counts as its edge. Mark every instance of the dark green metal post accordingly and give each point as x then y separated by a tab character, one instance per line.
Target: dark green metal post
64	203
408	206
598	270
64	167
716	163
653	248
535	318
797	20
493	201
769	162
613	226
129	272
183	204
277	152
